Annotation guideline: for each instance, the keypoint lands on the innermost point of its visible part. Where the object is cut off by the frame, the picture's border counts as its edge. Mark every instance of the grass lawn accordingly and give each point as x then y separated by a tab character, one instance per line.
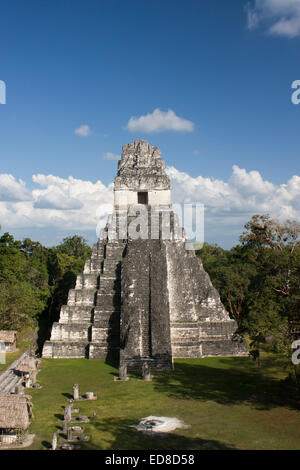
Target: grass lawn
228	402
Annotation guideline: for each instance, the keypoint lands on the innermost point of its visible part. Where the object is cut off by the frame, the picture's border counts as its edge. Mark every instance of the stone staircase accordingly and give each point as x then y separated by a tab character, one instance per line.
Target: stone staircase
89	324
147	298
11	378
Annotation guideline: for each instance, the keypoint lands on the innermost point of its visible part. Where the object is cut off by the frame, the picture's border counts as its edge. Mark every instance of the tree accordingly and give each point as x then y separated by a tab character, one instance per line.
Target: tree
275	306
75	246
278	256
231	272
35	280
24	289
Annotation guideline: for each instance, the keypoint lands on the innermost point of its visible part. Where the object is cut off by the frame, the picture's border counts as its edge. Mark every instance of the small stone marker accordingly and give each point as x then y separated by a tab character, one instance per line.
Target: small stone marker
27	381
69	434
68	413
75	392
54	441
146	369
123	372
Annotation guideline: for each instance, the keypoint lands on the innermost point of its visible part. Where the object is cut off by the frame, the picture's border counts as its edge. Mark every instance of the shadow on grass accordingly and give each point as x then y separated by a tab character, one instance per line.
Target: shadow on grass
227	386
116	434
47	444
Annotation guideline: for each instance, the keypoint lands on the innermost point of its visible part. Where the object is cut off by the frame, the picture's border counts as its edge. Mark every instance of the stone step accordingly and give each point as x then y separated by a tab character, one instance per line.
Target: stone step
100	335
70	332
87	280
182	334
98	250
114	250
97	351
76	314
100	351
108	301
105	336
68	349
107	320
109	285
106	312
157	362
111	267
220	328
82	297
223	347
92	266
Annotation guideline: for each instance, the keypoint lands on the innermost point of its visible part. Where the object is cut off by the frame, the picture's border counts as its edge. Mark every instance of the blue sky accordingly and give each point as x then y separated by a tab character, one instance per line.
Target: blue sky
226	67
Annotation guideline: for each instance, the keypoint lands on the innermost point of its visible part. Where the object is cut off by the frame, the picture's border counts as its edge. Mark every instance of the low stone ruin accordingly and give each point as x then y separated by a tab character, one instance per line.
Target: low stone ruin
146	370
28	368
90	396
83	419
123	377
73	433
86	396
69	446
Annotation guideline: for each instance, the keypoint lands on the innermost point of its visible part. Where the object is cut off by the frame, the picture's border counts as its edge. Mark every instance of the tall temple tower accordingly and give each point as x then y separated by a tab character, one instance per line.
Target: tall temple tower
142	295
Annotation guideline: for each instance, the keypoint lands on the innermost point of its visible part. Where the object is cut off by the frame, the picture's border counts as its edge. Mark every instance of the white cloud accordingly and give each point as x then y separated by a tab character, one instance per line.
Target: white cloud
111	156
60	203
83	131
244	194
281	17
70	204
13	190
159	121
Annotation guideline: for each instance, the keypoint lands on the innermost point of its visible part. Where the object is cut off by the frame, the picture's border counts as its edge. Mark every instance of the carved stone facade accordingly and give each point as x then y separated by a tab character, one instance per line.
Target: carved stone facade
143	298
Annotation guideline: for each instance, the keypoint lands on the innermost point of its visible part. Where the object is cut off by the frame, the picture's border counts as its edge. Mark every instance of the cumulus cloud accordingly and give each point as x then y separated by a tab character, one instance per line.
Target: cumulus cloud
281	17
13	190
70	204
59	203
83	131
159	121
111	156
244	194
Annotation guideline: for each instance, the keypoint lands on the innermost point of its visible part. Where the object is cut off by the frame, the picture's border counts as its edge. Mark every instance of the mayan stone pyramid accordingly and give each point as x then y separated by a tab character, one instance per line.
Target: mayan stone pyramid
142	295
